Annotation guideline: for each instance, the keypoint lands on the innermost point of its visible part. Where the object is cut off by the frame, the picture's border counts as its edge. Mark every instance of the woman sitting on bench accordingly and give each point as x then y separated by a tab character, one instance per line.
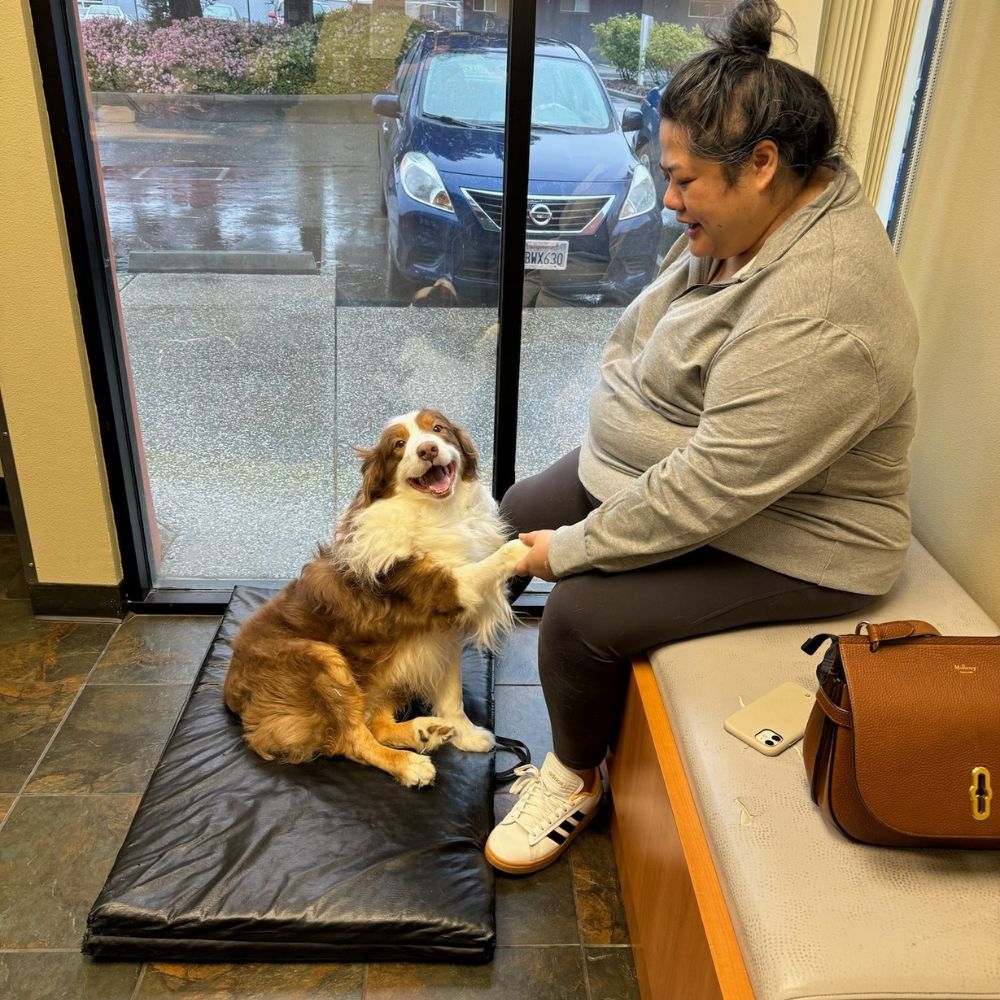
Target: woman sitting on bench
746	460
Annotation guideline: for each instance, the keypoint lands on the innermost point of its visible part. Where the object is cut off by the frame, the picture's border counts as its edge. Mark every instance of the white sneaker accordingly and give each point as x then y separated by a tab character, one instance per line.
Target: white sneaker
553	808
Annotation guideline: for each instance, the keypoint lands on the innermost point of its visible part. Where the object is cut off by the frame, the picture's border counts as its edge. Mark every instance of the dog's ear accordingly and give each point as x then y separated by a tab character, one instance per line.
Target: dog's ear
375	477
470	457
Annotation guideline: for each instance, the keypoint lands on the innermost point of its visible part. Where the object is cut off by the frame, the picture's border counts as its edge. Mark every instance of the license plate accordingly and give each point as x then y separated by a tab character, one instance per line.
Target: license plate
546	255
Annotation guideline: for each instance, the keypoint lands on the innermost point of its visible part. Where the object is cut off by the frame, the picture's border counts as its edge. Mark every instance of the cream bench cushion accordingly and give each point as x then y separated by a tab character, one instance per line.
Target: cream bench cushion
817	915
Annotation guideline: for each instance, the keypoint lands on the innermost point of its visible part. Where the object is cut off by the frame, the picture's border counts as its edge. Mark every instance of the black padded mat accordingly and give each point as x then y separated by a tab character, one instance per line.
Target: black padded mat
233	858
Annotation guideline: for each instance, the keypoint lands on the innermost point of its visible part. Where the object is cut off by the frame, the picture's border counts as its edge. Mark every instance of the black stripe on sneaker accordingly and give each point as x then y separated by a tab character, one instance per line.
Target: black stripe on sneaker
577	816
556	836
567	826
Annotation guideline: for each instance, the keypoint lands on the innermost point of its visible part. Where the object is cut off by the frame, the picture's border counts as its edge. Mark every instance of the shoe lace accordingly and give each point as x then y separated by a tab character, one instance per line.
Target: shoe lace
539	803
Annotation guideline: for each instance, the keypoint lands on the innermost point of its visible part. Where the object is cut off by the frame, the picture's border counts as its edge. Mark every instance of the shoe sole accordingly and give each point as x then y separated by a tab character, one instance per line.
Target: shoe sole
528	867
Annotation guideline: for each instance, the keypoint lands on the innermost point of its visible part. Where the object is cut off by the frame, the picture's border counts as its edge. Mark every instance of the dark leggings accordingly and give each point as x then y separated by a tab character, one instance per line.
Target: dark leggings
595	622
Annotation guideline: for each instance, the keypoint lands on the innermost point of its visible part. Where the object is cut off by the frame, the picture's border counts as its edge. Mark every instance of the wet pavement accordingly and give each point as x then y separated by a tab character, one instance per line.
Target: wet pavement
238	186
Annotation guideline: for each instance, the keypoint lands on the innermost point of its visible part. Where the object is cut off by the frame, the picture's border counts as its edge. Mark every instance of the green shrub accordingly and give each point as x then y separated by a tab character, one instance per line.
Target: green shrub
670	46
358	52
618	43
286	63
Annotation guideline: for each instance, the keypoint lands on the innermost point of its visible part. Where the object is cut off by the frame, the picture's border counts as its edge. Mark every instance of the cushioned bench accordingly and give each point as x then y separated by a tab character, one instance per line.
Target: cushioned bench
734	885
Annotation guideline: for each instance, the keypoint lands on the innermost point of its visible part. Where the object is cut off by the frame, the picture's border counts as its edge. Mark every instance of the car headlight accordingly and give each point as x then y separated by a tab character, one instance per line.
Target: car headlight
422	182
641	196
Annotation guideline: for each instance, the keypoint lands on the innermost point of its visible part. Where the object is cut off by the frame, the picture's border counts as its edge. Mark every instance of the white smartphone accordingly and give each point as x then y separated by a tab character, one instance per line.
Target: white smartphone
775	720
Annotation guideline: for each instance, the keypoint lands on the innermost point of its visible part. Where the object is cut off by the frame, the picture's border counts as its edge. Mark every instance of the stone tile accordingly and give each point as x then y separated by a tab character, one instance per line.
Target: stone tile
262	982
55	853
521	713
67	976
6	801
537	909
517	659
30	711
32	649
111	740
611	973
598	893
156	649
514	974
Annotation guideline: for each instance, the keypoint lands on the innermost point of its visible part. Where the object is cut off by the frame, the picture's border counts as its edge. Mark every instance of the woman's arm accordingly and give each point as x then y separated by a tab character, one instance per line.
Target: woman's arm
783	401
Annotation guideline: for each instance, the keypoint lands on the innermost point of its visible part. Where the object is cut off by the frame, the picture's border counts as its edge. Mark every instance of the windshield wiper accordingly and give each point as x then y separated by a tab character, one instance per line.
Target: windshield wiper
448	120
552	128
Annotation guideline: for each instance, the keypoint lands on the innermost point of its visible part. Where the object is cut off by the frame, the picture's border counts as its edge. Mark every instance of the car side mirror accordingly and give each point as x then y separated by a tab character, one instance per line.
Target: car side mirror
631	120
386	105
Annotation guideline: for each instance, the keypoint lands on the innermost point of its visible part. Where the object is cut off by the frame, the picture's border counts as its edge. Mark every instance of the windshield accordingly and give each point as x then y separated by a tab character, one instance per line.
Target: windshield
472	86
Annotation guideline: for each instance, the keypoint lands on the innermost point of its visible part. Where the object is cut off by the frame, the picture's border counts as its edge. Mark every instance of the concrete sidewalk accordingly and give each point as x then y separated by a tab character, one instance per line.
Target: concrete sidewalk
253	391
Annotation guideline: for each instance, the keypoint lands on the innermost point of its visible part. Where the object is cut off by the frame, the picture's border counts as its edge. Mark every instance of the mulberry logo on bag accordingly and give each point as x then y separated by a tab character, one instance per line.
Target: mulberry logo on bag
963	668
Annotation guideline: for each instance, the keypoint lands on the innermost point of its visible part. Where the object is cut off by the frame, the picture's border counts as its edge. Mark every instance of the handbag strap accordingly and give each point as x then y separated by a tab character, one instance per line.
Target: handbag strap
842	716
897	631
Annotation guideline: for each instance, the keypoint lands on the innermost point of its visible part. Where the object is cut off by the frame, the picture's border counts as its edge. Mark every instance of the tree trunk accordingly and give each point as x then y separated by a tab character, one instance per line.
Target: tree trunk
184	8
298	12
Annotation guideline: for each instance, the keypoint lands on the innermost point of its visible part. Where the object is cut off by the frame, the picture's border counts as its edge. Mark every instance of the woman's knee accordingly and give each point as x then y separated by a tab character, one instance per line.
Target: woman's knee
576	621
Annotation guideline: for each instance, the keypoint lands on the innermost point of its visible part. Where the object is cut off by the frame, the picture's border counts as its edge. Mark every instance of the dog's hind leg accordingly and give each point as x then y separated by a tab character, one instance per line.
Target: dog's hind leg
349	736
411	769
424	734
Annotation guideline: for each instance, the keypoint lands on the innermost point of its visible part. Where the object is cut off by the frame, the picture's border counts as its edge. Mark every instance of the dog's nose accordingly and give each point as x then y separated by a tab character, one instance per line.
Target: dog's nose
428	452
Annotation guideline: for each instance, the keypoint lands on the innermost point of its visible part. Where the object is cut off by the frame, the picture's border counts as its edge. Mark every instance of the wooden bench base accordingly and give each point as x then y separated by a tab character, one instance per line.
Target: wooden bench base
682	935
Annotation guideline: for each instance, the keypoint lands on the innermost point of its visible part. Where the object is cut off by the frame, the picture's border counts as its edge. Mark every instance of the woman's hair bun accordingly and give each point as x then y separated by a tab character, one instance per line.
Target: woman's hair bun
748	28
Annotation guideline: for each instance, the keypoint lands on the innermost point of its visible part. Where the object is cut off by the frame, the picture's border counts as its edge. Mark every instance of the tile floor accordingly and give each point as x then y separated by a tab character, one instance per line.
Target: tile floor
84	711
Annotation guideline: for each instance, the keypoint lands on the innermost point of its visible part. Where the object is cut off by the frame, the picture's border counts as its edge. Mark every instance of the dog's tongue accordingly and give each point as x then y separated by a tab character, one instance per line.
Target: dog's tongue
436	479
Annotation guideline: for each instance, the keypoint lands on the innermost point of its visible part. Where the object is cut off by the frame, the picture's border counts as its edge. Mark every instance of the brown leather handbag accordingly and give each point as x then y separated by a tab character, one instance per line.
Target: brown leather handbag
903	745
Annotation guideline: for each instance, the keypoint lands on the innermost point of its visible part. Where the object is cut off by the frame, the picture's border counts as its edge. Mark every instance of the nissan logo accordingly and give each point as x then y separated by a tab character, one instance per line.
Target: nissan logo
540	215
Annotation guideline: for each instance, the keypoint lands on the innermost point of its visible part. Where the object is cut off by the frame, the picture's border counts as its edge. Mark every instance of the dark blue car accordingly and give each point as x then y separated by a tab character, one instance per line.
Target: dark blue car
593	216
646	142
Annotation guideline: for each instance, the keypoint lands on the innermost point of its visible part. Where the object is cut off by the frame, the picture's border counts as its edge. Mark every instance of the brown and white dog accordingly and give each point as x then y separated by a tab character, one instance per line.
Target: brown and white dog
418	565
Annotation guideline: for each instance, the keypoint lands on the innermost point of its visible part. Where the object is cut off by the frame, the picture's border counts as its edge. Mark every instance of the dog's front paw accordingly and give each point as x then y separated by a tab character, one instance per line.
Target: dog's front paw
417	773
474	739
430	733
513	552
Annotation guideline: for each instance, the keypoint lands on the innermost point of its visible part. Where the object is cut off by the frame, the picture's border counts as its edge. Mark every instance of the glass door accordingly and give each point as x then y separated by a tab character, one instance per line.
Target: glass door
302	243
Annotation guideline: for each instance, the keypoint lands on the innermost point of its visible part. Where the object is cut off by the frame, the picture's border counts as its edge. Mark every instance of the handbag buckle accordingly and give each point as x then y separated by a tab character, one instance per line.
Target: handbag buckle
981	793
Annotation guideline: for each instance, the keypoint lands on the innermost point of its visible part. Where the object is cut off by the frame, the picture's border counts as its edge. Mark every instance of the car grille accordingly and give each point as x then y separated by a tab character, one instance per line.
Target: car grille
568	216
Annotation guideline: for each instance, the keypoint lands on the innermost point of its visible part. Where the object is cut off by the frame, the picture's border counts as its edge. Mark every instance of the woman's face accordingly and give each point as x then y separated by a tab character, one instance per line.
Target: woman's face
725	222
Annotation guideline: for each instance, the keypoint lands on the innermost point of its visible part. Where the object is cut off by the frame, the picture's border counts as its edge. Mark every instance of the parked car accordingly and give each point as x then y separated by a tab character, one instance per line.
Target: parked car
646	142
593	218
221	12
88	11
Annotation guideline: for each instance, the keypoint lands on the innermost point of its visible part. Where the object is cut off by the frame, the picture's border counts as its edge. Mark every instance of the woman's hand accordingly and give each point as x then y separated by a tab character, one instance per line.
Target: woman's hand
536	562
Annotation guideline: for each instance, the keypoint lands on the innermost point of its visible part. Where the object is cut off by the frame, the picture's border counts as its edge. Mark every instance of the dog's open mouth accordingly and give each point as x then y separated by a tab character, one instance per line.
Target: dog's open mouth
437	480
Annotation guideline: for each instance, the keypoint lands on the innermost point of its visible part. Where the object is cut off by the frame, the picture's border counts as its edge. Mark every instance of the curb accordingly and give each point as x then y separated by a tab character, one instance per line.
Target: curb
334	108
622	95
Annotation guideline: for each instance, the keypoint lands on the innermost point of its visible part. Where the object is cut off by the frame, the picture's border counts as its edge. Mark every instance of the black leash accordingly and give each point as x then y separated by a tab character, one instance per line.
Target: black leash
506	745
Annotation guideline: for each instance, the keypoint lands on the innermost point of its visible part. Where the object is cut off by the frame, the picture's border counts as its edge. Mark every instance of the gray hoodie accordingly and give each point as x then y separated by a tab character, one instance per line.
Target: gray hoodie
768	415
